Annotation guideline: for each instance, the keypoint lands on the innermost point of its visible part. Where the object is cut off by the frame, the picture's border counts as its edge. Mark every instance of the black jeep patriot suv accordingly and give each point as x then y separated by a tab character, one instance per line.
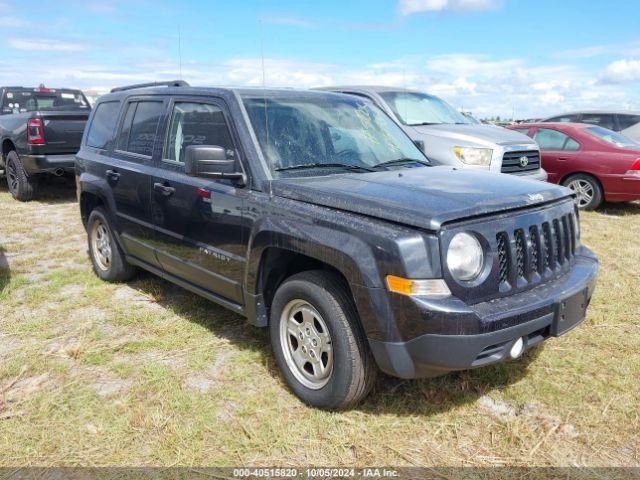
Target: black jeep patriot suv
312	213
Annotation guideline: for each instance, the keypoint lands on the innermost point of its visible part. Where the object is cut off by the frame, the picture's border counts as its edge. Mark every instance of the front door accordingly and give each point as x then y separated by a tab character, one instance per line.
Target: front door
199	233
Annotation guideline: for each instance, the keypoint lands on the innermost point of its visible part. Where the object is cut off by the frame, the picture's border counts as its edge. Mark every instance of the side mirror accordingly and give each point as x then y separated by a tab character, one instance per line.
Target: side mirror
419	144
211	161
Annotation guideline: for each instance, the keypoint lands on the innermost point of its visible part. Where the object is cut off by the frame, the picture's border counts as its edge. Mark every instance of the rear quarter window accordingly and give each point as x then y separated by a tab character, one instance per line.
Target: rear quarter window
103	124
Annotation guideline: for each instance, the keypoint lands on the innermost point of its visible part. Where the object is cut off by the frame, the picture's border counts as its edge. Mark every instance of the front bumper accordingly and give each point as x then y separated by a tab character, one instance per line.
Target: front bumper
550	309
540	174
34	164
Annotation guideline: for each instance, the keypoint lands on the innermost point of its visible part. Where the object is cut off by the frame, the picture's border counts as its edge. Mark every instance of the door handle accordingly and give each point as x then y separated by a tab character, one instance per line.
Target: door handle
112	175
563	158
165	190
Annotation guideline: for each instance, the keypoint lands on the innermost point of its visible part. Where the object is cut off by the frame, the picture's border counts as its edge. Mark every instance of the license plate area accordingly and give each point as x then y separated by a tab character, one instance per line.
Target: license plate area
569	312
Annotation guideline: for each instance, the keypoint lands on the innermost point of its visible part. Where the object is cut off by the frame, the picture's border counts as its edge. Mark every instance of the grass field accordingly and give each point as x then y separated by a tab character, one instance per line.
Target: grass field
145	373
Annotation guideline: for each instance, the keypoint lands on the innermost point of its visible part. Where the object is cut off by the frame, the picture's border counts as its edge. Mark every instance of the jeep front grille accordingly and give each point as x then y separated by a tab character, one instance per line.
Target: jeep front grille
513	162
534	254
503	255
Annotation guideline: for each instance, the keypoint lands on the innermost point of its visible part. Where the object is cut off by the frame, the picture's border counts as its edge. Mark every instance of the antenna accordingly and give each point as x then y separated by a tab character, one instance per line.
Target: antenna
264	85
180	50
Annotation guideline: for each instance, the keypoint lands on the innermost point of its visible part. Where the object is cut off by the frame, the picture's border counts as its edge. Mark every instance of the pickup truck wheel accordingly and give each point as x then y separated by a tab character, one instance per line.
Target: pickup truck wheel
21	186
587	189
107	258
318	342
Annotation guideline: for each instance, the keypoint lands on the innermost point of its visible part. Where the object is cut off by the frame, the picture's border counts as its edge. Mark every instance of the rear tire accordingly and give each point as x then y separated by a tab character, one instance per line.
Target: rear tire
318	341
587	189
21	186
107	258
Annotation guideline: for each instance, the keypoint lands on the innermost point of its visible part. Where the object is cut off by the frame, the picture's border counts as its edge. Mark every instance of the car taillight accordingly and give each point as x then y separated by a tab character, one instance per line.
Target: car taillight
635	168
35	131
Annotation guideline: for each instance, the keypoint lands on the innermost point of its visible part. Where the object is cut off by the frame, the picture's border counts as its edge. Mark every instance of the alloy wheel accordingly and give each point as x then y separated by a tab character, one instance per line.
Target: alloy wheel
306	343
101	245
584	192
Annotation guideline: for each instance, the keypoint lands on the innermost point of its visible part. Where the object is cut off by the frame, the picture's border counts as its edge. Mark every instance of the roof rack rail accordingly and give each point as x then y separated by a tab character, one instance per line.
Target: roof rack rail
172	83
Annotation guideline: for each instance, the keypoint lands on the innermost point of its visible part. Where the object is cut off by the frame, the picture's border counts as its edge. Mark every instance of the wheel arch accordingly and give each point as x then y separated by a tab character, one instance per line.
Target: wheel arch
276	255
7	146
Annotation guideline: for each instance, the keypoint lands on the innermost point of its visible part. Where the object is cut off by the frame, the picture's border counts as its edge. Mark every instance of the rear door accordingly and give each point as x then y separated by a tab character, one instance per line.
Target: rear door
130	173
199	232
559	151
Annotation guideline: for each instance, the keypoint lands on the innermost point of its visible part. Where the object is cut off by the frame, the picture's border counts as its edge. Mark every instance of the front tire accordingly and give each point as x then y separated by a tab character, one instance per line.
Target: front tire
107	258
588	190
318	342
21	186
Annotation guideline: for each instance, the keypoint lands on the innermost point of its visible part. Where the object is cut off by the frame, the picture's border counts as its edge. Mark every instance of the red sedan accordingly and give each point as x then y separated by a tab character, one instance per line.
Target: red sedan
597	163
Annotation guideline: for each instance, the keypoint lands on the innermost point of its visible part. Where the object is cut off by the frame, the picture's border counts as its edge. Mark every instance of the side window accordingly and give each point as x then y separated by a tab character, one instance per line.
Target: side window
103	125
140	127
563	118
196	124
602	120
554	140
626	121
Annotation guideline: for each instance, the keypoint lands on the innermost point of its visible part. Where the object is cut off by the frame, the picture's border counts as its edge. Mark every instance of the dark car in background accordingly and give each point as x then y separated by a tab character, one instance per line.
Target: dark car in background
314	214
598	164
40	133
627	123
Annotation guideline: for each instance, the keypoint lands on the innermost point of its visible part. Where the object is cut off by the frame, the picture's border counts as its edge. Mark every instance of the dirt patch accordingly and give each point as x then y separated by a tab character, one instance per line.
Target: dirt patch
7	345
105	383
128	294
72	290
532	412
19	389
211	377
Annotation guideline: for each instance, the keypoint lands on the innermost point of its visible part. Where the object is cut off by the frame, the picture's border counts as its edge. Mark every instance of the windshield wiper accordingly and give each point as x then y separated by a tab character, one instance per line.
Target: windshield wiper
424	123
304	166
402	161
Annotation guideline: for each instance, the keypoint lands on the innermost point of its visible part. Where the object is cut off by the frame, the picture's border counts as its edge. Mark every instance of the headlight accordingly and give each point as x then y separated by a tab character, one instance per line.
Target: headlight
474	156
465	257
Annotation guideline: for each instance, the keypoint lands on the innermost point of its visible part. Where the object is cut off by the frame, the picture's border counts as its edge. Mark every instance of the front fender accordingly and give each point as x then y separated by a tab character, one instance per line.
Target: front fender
346	253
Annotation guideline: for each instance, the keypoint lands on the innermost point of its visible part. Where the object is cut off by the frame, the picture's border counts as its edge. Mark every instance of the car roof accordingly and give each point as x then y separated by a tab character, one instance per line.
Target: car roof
214	91
367	88
601	112
566	126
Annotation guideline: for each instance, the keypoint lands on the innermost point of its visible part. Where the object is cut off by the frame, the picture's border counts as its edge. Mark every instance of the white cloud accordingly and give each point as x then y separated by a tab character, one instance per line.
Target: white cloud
622	71
12	22
44	45
409	7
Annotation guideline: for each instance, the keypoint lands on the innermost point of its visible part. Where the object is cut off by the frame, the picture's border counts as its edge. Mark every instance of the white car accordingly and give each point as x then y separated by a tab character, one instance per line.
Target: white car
450	138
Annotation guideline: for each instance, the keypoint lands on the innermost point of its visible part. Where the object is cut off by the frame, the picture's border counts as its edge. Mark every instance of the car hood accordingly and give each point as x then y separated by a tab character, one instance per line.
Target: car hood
469	134
424	197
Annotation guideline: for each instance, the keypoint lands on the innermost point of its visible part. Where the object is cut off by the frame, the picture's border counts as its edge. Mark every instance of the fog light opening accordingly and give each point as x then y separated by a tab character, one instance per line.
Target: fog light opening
517	348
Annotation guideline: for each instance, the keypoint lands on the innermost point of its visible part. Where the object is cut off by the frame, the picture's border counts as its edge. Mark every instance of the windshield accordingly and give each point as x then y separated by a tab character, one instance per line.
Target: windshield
613	137
414	108
31	100
318	134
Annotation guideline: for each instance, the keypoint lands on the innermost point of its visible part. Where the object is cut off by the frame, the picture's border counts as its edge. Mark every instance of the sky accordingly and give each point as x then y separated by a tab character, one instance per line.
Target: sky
489	57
